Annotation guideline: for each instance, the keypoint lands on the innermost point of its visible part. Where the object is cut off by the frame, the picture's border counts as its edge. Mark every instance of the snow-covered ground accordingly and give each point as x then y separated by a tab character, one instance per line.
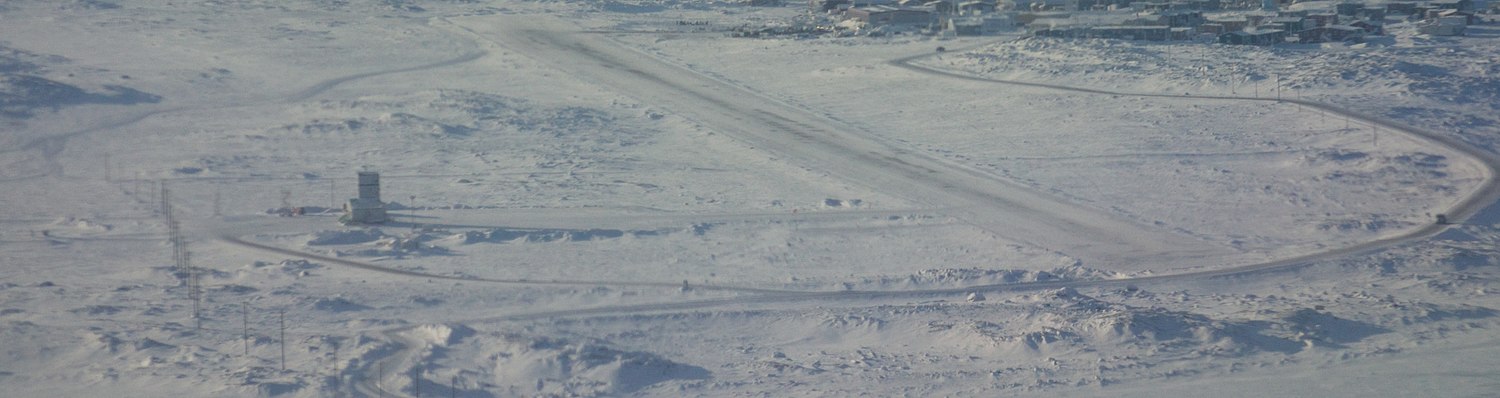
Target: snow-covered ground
616	198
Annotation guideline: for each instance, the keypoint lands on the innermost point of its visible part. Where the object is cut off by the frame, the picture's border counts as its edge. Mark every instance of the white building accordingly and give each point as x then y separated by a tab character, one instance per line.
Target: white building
1445	26
367	208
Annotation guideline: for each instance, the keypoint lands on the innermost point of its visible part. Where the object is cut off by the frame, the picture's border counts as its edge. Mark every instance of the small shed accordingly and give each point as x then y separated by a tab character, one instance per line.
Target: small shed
1288	24
890	16
1371	28
1403	8
1264	37
1334	33
1322	19
976	7
1348	9
1453	26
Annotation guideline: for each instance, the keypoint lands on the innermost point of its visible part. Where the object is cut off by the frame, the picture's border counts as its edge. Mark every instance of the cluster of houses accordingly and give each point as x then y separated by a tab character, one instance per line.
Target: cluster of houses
960	17
1254	22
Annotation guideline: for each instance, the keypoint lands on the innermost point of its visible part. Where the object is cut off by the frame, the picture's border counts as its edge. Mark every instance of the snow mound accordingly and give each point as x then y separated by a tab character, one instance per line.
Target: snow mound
441	335
1064	320
511	235
562	367
82	224
979	276
395	247
842	203
350	237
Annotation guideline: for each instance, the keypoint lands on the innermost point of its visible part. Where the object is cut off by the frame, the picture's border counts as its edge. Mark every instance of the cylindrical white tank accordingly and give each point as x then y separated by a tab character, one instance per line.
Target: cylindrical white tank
369	185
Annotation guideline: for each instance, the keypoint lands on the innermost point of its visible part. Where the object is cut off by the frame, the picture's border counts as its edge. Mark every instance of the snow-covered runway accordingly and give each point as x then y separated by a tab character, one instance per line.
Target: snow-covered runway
614	199
824	146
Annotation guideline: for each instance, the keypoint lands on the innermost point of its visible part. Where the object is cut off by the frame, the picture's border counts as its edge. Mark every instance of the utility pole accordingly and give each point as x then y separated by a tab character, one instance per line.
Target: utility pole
245	326
281	315
217	199
416	381
1278	87
195	288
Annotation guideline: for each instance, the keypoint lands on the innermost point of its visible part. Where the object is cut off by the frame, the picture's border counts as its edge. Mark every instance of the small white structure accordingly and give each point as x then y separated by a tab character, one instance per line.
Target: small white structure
1445	26
367	208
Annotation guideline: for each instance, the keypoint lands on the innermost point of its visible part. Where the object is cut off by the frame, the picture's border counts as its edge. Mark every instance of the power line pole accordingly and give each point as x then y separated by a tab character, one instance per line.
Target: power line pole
1278	87
245	326
195	288
281	315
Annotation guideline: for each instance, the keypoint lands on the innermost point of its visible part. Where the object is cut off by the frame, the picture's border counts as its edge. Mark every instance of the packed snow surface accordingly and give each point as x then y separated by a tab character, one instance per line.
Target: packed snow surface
618	198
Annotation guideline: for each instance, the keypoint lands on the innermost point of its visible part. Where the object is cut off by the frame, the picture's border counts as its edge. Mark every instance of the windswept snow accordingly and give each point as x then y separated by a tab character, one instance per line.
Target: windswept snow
617	199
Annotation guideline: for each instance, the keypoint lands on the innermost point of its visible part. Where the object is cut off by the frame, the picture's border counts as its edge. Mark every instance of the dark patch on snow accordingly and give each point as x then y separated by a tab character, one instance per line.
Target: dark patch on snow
1329	329
426	301
234	289
21	96
506	235
98	310
147	344
337	304
276	389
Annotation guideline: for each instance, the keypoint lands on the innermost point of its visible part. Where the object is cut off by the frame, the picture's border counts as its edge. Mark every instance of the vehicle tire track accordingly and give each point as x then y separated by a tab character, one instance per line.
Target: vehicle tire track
988	202
548	282
1486	194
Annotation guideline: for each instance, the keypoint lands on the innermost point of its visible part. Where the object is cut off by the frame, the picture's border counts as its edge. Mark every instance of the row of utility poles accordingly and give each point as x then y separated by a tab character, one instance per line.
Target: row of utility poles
191	276
1277	91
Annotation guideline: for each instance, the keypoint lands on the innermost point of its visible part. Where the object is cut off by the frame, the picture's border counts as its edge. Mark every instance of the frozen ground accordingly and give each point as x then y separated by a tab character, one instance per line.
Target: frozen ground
614	198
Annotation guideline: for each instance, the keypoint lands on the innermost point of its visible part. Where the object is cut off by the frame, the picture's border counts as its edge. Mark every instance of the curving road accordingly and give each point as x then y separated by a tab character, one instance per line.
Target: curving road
988	203
993	204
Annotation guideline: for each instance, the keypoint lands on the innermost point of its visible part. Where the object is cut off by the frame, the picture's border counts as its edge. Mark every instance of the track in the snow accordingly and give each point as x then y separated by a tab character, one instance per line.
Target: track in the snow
1487	195
818	142
823	145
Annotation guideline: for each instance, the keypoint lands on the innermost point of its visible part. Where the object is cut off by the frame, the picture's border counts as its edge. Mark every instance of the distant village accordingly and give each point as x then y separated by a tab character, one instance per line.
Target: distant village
1250	22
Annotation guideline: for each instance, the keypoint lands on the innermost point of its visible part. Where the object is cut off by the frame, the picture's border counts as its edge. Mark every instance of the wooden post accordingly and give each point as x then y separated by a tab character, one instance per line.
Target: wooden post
245	326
